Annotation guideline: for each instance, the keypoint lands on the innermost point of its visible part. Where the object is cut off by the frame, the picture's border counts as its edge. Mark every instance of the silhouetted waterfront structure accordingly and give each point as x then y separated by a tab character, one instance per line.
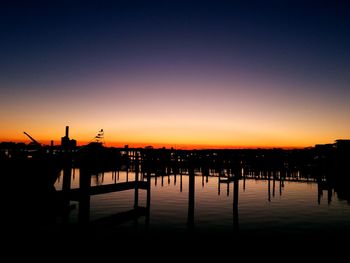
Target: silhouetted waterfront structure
66	143
34	173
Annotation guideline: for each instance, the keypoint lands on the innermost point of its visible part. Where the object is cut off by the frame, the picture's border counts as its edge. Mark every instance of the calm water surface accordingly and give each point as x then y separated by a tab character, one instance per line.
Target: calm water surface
264	206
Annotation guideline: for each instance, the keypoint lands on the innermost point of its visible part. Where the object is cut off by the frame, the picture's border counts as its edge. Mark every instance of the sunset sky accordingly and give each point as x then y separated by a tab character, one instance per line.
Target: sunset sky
176	73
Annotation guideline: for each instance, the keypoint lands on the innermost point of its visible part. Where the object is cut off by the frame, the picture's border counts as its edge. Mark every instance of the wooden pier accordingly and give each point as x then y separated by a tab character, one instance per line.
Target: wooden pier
85	191
74	194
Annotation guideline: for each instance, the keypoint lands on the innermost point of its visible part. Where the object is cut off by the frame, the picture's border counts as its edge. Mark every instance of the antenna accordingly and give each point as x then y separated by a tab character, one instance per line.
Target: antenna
99	138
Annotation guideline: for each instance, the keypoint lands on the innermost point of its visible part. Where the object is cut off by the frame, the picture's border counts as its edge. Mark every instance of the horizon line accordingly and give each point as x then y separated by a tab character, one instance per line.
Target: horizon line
170	145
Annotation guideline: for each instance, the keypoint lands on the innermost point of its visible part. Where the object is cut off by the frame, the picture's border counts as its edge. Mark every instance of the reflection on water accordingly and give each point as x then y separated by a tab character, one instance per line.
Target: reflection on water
214	205
132	194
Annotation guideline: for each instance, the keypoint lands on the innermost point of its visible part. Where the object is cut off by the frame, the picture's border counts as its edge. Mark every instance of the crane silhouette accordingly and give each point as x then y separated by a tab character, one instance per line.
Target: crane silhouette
32	139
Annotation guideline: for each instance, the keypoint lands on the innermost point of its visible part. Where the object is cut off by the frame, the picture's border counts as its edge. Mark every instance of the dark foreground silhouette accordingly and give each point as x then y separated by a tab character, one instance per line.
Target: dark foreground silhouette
34	208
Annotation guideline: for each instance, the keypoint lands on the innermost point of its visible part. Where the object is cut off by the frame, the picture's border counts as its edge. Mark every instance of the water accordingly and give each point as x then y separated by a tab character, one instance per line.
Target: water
265	207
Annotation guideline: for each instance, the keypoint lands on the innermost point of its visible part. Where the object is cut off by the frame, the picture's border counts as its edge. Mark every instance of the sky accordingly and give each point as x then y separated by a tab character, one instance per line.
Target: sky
176	73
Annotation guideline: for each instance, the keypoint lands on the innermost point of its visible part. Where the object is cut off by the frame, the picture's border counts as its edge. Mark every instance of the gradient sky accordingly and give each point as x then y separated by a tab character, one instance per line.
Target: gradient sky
214	73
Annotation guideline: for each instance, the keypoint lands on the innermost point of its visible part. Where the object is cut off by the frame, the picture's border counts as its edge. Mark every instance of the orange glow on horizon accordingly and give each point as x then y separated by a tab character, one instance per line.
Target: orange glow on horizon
169	145
188	112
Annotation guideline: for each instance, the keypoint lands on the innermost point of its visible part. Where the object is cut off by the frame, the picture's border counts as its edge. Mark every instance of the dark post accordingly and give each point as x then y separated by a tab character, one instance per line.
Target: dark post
136	199
273	185
66	185
181	182
269	188
67	173
51	146
191	185
84	198
319	192
329	194
148	200
281	185
235	203
244	177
